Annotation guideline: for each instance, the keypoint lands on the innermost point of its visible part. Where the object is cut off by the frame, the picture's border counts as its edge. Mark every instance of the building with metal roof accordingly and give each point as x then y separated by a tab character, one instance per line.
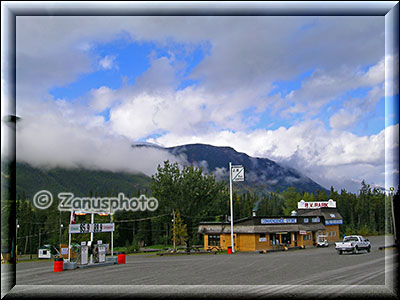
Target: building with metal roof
258	233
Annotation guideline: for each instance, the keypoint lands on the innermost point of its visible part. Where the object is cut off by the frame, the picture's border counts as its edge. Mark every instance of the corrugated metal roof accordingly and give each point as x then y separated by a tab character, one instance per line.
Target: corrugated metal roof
325	212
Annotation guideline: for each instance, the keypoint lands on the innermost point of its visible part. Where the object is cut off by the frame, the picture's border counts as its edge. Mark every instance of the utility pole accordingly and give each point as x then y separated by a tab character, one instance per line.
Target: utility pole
393	215
230	189
238	176
174	230
30	242
91	221
16	241
39	236
26	244
91	237
61	226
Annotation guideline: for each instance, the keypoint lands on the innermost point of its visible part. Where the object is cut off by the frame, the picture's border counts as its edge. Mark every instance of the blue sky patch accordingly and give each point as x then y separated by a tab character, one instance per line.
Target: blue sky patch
286	86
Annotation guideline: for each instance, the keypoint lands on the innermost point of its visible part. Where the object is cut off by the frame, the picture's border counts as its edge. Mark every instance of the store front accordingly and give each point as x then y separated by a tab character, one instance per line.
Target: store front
312	219
259	233
327	212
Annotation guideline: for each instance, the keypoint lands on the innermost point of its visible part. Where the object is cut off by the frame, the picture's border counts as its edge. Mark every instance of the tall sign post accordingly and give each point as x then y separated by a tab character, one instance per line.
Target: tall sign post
236	173
112	234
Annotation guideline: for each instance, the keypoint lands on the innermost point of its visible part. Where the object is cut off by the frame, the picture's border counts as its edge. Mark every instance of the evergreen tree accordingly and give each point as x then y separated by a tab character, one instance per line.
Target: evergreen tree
180	233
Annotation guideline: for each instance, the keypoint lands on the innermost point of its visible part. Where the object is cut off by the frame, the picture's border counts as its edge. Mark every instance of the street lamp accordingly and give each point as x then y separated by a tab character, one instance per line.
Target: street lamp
61	226
16	241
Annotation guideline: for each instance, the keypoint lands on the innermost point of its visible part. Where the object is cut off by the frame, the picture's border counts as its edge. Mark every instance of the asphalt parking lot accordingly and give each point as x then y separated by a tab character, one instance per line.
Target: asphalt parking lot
312	266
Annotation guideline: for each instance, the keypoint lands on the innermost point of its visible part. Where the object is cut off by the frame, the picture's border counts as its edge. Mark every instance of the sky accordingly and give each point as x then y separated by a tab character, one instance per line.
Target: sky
307	92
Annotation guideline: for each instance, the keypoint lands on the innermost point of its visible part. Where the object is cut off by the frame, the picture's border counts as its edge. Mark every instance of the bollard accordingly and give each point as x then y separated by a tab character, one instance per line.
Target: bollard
58	264
121	257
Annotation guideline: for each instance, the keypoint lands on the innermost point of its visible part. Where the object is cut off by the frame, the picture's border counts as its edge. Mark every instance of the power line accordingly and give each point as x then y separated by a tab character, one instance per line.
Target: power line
141	219
32	235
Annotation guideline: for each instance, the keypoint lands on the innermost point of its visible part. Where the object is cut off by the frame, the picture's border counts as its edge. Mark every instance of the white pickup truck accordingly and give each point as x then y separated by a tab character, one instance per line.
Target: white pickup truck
353	243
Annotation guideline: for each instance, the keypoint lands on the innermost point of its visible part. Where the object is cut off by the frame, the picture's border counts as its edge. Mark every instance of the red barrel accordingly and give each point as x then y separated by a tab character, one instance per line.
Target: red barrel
229	250
121	257
58	264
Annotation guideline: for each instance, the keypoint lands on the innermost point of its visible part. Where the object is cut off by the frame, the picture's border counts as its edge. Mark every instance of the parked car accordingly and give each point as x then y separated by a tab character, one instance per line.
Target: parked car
322	241
353	243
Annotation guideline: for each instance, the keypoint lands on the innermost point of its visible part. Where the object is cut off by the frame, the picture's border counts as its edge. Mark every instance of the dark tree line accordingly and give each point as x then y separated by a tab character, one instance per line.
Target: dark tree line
198	197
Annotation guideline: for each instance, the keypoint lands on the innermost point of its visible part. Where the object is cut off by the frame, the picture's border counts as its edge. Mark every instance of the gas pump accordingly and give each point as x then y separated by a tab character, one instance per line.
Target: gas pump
84	251
90	251
101	251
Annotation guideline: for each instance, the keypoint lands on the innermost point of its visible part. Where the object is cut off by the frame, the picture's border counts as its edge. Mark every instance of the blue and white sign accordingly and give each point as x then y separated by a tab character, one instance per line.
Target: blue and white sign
334	222
279	221
237	173
315	220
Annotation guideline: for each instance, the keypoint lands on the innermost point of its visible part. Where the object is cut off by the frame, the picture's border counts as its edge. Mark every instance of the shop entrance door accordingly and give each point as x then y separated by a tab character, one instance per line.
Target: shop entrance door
294	239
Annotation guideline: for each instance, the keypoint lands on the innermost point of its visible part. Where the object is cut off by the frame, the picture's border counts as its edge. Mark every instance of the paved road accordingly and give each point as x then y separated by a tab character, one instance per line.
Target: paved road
313	266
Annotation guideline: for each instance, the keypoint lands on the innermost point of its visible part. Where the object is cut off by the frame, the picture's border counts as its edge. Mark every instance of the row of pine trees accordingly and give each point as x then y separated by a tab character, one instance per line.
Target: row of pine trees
196	197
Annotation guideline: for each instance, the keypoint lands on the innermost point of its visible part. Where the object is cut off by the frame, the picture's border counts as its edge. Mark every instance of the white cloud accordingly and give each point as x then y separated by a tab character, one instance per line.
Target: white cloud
102	98
50	139
239	66
221	173
237	73
356	109
323	87
108	62
328	157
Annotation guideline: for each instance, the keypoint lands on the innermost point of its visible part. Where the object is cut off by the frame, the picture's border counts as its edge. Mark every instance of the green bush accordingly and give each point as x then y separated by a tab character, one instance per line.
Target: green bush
164	240
364	230
134	247
349	230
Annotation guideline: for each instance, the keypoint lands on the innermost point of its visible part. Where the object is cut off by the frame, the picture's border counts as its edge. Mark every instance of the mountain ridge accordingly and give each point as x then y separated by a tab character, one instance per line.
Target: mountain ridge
262	175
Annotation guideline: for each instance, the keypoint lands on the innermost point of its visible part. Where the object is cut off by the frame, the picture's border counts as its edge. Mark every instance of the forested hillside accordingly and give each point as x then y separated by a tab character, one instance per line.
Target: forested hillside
197	196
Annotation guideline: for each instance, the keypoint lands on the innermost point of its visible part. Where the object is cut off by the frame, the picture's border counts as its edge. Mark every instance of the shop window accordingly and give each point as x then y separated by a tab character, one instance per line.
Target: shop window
307	237
334	233
273	239
285	238
262	237
213	240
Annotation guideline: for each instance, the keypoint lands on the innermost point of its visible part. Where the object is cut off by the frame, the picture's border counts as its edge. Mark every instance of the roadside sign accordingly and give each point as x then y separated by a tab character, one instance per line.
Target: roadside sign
89	228
237	173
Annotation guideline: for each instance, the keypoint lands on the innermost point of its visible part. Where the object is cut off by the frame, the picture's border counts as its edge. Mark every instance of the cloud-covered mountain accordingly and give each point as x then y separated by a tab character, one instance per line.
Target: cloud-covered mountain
261	174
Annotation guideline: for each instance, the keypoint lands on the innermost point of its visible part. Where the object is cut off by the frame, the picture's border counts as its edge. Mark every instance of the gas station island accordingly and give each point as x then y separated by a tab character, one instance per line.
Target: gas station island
88	253
305	227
